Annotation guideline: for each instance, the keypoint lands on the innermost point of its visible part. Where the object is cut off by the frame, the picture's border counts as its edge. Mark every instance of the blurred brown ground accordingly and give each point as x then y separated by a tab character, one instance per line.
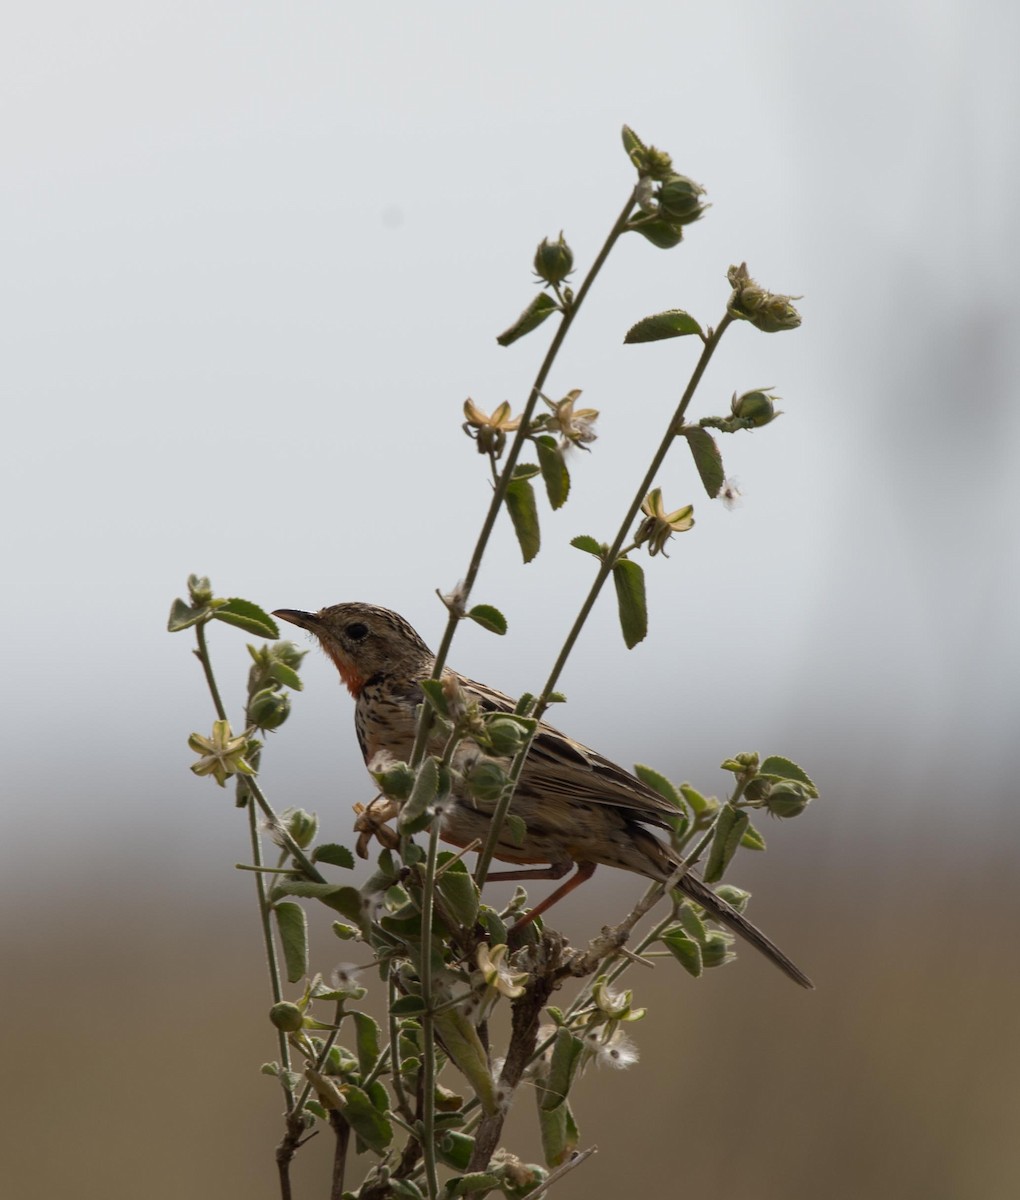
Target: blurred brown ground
135	1025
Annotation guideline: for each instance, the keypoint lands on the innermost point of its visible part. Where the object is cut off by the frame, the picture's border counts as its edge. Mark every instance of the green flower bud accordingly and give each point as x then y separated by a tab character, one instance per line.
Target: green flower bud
395	781
757	408
715	950
486	779
505	736
735	897
287	1016
787	799
269	709
302	826
553	260
199	589
767	311
680	200
757	790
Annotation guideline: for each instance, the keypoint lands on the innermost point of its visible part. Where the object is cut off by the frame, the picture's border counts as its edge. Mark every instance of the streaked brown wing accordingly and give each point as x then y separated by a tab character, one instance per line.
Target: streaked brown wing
560	767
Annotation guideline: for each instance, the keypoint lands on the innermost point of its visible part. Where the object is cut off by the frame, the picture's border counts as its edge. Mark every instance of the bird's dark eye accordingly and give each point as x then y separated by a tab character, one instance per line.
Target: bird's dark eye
357	632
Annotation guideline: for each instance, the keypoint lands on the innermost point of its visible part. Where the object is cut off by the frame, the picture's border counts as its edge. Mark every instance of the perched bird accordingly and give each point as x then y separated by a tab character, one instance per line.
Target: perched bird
578	808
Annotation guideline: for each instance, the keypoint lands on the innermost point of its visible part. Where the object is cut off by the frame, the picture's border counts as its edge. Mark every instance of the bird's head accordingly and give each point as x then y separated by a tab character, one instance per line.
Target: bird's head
364	642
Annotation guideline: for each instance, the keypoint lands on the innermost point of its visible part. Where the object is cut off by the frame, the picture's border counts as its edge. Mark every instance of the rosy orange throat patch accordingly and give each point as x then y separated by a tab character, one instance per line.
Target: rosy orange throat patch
351	676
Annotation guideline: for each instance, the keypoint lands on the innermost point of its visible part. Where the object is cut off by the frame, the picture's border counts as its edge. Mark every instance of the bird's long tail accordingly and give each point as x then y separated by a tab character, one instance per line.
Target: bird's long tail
727	915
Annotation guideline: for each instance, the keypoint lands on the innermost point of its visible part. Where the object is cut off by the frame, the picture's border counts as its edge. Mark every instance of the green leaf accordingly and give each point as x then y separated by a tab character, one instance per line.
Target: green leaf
691	923
285	675
685	950
752	839
526	471
407	1006
416	811
334	853
730	826
464	1185
365	1119
563	1064
631	141
559	1133
520	502
183	616
659	783
247	616
461	1041
554	471
459	890
541	307
775	767
367	1042
436	697
344	900
660	233
589	545
455	1149
629	580
489	618
707	458
694	798
293	928
517	828
672	323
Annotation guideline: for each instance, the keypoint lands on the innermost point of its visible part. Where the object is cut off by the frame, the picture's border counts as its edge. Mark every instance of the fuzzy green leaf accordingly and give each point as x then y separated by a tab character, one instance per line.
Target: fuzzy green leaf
672	323
730	826
554	471
247	616
459	890
183	616
541	307
559	1133
629	579
293	929
660	233
659	783
365	1119
684	949
707	458
416	811
286	675
588	544
563	1064
334	853
489	618
775	767
520	503
752	839
368	1042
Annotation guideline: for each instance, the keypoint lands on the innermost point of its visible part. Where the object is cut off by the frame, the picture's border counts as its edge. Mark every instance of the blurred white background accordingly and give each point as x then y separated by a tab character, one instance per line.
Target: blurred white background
255	258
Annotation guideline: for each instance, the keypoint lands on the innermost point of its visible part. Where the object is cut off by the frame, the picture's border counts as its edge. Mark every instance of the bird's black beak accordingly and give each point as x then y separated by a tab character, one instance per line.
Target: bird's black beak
295	616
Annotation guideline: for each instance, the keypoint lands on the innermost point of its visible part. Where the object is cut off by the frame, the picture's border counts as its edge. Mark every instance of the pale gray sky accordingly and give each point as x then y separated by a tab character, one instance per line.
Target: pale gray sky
256	256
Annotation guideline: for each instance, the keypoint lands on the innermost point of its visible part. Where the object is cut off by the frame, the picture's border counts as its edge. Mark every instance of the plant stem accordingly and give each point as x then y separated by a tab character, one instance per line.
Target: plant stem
428	1033
603	573
503	479
210	678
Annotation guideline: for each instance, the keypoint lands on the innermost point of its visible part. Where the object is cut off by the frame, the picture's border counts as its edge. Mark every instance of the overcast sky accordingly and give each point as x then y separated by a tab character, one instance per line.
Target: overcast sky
256	256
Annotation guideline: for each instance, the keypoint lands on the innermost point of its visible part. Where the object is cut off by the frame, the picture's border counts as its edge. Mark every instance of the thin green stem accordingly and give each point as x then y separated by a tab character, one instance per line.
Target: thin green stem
280	830
502	482
403	1106
272	963
210	678
428	1033
603	573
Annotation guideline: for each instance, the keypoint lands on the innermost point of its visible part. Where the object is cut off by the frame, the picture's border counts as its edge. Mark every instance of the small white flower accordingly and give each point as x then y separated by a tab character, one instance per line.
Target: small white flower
618	1052
730	494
